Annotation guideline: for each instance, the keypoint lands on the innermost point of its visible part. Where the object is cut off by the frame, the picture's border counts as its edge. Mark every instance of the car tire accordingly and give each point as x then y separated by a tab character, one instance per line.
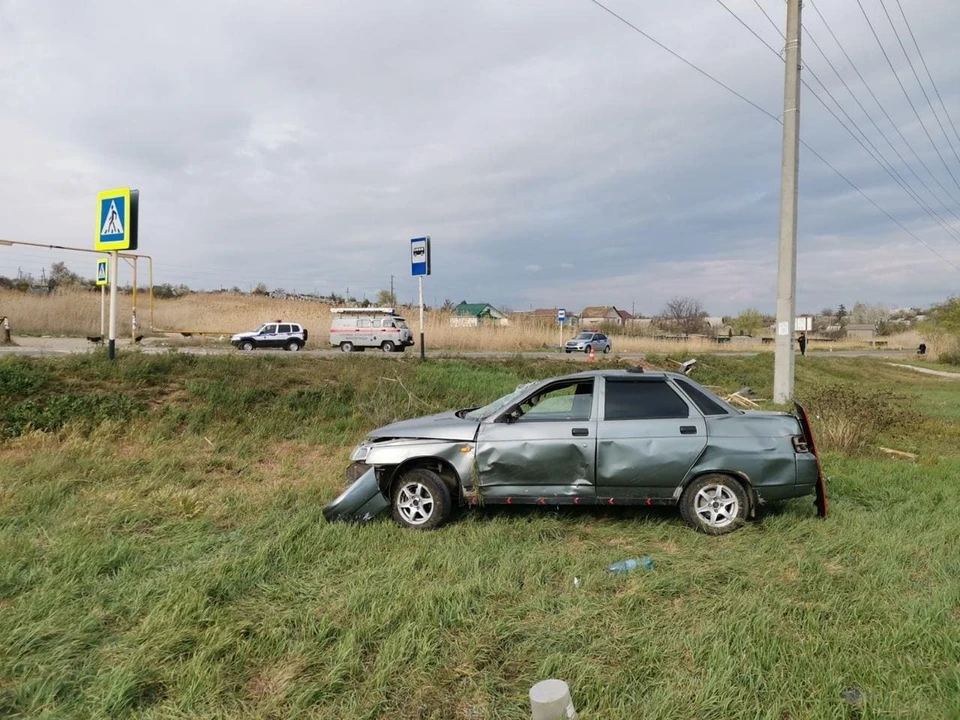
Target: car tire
388	347
421	500
293	346
247	345
606	349
346	347
567	350
715	504
587	349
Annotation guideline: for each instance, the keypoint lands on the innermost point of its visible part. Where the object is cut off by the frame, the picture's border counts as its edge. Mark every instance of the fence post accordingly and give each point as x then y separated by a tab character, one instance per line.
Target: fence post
6	331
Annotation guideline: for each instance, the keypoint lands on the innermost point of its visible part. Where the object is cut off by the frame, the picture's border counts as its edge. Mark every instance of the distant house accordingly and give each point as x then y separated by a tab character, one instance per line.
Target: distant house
600	315
714	322
638	323
862	331
475	314
546	316
625	317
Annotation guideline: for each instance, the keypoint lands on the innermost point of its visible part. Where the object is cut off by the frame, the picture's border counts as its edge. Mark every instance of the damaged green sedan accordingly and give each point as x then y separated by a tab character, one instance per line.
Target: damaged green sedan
605	437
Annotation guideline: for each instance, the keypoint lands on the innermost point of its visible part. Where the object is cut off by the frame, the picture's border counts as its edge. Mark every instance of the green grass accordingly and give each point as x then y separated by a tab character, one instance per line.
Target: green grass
172	561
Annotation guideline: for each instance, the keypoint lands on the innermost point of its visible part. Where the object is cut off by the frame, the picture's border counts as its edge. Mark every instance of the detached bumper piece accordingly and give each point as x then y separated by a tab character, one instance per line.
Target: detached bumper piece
360	502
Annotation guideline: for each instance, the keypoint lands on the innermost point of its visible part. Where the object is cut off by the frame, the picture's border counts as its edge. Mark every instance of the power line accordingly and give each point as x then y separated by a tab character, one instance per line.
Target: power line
873	95
917	77
917	45
874	122
770	19
775	119
872	151
906	94
684	60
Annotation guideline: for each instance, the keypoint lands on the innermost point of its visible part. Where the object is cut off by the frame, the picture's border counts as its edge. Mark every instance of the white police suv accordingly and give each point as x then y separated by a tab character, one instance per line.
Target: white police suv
279	334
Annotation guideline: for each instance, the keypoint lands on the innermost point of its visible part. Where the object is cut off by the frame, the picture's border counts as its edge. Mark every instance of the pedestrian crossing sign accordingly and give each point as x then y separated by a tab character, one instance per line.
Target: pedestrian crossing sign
102	271
116	220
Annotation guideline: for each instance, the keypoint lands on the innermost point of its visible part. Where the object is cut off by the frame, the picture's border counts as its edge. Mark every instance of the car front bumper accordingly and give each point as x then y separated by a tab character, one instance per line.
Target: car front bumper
361	501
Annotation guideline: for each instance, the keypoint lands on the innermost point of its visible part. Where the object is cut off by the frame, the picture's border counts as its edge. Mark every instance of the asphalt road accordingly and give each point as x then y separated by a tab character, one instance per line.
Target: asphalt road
52	346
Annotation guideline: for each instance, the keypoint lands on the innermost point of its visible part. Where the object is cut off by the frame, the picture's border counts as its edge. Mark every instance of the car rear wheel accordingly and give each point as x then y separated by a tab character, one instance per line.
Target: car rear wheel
293	346
346	347
387	346
247	346
606	349
421	500
714	504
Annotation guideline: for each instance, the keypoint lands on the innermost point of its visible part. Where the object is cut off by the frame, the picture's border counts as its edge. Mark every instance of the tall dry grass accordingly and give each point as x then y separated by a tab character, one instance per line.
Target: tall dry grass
77	313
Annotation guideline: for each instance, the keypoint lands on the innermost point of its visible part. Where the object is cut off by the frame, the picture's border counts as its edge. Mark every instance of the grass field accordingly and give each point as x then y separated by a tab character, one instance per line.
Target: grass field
163	555
77	314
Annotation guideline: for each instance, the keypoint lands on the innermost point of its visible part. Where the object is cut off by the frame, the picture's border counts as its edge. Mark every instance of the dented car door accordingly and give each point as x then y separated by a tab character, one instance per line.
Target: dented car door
648	439
543	448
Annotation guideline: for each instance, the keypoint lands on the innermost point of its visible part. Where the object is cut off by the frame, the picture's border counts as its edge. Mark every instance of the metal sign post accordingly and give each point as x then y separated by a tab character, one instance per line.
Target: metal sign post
116	229
420	266
102	271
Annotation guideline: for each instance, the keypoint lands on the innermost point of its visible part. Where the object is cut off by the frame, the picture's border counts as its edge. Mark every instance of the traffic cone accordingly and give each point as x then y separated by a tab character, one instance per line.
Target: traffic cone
593	355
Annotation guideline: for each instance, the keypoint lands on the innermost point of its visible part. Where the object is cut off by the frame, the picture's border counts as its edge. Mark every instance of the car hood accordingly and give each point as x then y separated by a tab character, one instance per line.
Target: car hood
244	335
443	426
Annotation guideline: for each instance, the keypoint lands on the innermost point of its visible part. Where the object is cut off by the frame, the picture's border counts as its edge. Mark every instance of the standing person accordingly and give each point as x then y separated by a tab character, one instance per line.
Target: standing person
802	341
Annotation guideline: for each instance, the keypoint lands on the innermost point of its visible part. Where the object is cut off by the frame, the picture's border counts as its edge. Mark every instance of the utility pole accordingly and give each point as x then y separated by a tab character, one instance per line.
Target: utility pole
784	361
393	298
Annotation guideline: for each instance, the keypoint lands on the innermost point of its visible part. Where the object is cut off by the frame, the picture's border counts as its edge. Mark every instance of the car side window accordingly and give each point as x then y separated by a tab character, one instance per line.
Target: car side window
377	322
284	329
707	405
642	400
566	401
268	330
295	328
365	324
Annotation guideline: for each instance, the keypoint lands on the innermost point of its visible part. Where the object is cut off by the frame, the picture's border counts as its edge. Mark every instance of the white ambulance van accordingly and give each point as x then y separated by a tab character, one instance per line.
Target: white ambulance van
359	328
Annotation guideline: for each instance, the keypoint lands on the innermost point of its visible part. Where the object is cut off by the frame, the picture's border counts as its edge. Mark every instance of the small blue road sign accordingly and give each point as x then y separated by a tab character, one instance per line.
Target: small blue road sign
561	315
102	271
116	220
420	256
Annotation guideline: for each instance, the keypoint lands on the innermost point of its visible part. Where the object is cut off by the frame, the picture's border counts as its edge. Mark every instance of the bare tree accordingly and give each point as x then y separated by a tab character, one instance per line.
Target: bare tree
683	315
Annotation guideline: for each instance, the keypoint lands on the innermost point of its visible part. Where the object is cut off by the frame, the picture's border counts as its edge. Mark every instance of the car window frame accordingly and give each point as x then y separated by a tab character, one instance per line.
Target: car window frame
504	415
693	412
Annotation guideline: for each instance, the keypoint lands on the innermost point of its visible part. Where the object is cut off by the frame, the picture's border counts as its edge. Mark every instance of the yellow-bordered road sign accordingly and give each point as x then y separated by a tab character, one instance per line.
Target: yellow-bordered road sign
102	271
116	220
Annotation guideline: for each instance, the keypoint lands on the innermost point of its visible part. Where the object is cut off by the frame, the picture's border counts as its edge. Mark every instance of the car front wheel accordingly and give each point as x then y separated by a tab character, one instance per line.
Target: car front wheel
247	345
387	346
421	500
714	504
606	349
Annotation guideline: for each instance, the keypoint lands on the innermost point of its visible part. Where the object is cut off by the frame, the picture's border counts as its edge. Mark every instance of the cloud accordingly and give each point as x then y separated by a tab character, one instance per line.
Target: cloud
536	138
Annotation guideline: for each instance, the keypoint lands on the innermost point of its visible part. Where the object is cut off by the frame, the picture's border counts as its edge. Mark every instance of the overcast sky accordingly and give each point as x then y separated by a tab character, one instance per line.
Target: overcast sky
554	155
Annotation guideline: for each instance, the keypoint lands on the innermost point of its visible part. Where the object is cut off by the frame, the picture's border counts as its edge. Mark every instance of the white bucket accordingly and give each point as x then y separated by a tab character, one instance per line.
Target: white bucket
550	700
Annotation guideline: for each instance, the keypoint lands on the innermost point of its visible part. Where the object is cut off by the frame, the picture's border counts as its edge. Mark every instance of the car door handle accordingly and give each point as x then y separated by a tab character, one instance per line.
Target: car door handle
688	429
580	432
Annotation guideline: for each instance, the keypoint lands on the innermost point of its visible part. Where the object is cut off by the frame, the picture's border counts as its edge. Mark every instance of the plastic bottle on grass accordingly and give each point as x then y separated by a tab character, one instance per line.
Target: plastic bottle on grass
625	566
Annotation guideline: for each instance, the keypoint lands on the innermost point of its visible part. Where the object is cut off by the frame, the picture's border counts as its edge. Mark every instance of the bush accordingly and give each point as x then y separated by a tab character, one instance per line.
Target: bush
848	420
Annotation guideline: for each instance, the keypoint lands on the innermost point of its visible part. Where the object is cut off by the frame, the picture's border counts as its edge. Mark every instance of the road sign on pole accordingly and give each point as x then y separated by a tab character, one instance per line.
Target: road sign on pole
561	316
117	216
420	266
116	229
420	256
102	265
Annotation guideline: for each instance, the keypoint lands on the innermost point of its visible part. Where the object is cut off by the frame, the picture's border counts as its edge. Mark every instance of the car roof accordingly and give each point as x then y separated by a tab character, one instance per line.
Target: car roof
619	374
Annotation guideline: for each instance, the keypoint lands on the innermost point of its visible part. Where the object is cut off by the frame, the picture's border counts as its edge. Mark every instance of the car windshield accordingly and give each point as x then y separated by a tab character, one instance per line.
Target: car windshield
584	336
400	323
499	404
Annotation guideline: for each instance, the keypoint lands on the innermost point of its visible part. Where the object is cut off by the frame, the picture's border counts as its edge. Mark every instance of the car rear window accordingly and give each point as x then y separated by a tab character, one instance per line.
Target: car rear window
642	400
707	405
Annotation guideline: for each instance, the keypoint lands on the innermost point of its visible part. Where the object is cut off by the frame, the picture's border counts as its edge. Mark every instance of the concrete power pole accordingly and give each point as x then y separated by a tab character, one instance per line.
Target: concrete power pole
784	361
